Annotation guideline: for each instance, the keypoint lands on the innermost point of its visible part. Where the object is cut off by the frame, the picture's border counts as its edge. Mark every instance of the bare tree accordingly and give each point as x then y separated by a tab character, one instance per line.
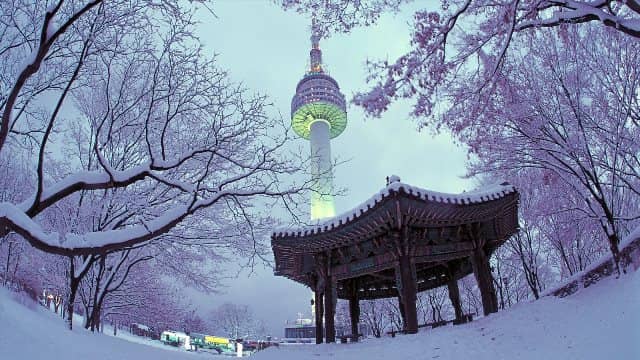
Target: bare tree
470	295
434	305
193	138
573	241
234	320
373	314
564	134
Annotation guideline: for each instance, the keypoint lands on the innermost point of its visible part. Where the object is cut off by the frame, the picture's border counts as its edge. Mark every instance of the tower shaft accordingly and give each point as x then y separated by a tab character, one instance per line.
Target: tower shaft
322	205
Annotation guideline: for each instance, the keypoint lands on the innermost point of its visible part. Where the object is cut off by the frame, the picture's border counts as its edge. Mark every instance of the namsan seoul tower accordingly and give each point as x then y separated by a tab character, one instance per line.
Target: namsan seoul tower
318	114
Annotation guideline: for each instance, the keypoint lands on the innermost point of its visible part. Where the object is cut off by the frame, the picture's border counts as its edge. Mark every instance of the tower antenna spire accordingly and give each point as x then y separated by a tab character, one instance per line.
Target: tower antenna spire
315	54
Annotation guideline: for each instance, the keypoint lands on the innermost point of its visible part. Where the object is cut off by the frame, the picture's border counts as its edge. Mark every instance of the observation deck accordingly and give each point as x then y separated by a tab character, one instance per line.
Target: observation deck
318	97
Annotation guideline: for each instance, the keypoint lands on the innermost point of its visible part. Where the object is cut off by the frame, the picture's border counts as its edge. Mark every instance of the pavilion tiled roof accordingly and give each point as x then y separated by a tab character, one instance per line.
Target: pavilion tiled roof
481	195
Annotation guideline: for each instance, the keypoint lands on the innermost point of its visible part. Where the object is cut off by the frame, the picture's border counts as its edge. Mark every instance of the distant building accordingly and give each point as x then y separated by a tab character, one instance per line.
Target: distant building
300	332
305	331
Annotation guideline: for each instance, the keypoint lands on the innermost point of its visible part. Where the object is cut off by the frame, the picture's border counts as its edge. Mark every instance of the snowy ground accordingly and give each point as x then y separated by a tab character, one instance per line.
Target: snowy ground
29	331
601	322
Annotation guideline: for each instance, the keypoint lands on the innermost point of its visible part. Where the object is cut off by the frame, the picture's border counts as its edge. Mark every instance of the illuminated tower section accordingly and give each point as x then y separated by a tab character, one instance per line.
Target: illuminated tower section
318	114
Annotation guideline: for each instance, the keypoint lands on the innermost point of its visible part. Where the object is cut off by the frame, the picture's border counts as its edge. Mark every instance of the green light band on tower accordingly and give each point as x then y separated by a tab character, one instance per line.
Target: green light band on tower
308	113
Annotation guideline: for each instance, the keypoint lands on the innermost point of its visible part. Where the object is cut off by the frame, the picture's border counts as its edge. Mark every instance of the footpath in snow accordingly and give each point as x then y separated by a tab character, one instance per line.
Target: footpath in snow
601	322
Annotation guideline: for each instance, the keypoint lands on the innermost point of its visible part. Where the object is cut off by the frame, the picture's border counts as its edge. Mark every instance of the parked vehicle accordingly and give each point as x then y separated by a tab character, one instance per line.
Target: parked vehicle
220	344
174	338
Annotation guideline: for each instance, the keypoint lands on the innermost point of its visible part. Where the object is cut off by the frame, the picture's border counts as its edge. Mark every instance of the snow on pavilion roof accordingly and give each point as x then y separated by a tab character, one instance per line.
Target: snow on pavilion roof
481	195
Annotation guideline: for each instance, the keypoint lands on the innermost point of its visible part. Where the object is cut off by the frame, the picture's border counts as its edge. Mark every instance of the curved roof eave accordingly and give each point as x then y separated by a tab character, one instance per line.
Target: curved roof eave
479	196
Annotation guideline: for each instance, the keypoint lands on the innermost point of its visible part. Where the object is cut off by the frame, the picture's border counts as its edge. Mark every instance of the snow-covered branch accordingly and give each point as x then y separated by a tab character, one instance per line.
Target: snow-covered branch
625	17
160	132
49	34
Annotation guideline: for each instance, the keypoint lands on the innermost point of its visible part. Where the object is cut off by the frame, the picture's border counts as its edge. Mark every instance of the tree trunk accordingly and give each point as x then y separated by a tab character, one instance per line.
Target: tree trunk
73	288
15	268
100	323
500	286
565	259
98	294
87	316
93	322
56	303
6	271
614	241
74	282
534	283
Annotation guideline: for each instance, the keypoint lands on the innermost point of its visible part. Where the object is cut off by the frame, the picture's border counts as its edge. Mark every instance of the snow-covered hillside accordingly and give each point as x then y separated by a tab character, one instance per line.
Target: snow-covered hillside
29	332
600	322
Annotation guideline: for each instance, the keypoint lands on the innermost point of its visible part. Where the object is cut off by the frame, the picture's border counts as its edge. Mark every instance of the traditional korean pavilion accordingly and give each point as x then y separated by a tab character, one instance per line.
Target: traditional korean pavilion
402	241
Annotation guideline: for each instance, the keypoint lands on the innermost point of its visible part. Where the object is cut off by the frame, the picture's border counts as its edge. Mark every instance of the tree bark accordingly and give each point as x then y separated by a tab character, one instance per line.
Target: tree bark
95	316
74	283
73	288
614	243
6	271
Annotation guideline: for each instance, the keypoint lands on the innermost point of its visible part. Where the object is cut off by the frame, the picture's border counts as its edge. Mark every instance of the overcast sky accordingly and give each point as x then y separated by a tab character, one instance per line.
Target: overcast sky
267	49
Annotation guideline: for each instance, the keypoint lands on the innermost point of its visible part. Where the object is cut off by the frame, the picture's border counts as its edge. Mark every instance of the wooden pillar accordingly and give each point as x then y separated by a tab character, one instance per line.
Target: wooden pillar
330	309
320	290
319	307
354	313
403	316
354	309
407	290
482	272
454	296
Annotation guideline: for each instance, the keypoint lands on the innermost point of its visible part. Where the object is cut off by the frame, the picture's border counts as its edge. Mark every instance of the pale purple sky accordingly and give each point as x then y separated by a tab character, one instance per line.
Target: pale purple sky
267	49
